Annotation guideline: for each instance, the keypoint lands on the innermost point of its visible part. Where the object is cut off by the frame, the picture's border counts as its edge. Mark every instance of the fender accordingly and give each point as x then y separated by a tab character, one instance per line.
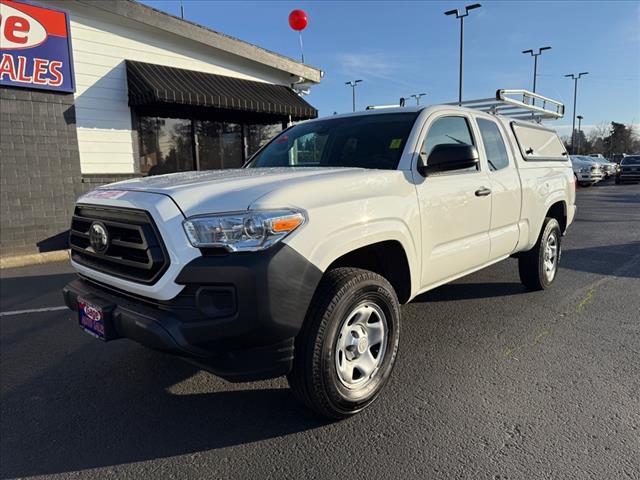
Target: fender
536	223
323	251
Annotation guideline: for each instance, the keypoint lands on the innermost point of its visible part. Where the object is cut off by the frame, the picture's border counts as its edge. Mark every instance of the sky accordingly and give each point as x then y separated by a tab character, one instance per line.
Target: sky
402	48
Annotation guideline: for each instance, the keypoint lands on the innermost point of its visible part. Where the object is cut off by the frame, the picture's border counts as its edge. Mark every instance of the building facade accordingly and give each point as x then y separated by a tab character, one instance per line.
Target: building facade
141	93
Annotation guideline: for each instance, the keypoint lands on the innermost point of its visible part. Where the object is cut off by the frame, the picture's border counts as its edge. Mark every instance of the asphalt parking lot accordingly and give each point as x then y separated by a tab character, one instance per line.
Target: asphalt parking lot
491	382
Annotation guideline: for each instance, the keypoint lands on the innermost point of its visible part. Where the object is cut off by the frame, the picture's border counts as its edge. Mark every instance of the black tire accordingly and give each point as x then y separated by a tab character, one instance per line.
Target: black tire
314	378
531	264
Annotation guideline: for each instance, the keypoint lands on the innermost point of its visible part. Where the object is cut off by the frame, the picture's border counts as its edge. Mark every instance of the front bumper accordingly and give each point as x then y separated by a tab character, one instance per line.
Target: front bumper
629	176
237	316
589	177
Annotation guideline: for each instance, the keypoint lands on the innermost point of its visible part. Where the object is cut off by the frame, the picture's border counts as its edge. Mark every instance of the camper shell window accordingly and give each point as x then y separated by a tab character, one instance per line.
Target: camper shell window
539	143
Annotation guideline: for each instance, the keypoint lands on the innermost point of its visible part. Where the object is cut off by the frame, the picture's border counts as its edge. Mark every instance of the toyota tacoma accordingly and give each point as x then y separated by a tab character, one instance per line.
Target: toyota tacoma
297	263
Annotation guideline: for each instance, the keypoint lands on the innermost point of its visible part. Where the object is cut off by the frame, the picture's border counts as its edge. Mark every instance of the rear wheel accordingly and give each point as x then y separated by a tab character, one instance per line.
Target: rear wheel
538	267
347	347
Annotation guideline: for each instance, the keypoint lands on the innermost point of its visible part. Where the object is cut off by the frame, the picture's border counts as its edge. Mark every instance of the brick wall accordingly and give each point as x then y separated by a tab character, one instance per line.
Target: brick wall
39	169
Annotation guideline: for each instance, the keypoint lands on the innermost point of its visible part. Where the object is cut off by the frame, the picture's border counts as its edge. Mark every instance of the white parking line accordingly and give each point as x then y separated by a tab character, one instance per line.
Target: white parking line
34	310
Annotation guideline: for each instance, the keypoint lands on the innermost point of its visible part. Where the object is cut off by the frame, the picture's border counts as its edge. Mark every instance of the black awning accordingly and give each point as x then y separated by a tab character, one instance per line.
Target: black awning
151	84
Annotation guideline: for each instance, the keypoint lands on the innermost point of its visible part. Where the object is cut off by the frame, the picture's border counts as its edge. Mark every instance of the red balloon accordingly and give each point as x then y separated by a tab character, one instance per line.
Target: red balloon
298	20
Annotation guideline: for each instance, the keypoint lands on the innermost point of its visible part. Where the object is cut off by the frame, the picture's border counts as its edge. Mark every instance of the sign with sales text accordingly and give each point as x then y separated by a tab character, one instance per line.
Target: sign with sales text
35	47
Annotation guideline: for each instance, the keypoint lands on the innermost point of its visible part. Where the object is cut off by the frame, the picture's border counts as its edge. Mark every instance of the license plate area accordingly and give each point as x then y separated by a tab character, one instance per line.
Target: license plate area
95	316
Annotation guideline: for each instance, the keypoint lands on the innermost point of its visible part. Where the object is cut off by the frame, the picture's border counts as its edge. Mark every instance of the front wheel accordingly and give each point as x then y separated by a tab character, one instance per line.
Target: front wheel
538	267
347	347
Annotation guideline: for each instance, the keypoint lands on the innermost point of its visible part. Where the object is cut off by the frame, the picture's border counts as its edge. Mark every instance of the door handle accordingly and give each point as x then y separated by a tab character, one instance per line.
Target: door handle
483	192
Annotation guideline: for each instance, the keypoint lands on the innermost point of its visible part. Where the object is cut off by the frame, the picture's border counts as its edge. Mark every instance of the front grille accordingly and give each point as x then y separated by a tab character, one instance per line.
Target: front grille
135	251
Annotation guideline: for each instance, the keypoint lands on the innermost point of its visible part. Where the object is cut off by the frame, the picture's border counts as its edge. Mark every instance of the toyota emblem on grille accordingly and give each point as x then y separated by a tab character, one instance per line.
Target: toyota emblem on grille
98	237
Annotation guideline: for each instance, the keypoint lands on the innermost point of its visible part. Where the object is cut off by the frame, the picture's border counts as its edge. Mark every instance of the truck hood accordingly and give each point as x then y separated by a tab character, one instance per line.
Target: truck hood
213	191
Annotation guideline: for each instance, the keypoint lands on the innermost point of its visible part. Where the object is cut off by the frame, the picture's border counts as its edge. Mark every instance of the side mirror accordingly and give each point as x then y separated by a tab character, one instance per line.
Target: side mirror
448	156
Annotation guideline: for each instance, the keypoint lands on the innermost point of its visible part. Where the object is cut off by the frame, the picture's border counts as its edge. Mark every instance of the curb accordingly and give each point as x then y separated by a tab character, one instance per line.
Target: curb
33	259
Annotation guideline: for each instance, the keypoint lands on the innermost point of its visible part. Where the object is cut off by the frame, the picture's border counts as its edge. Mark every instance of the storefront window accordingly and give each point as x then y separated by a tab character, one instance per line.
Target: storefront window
219	144
165	145
259	134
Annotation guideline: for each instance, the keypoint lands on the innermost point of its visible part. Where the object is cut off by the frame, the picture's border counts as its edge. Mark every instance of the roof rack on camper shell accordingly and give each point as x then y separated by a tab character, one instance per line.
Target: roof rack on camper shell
518	104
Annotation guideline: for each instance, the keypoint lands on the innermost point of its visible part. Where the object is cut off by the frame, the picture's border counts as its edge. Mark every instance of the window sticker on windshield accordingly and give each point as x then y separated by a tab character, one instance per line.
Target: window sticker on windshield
395	144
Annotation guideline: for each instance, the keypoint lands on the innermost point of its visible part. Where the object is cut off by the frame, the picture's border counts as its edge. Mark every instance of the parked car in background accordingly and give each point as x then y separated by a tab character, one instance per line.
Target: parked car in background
617	158
609	169
585	170
629	169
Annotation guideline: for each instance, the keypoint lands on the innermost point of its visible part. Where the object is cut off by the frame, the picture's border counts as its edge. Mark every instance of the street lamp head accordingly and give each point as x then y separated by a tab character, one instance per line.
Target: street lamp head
579	117
451	12
582	73
545	48
528	51
570	75
472	7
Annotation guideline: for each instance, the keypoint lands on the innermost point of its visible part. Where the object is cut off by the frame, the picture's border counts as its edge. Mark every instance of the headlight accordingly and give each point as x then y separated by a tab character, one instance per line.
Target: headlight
242	231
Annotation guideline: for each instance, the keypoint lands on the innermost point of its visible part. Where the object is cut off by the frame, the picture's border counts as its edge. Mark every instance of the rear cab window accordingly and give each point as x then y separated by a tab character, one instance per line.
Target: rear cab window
538	143
493	142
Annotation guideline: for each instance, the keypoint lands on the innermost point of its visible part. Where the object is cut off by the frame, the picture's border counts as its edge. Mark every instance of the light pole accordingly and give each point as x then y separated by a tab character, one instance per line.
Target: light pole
461	17
575	96
353	84
579	117
417	96
535	63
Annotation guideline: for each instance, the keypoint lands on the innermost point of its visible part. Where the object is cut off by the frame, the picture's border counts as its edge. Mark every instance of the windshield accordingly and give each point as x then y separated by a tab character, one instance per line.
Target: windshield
632	160
364	141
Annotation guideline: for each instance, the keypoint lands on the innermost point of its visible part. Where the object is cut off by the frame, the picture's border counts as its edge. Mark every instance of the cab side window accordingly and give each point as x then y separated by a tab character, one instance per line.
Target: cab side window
448	130
496	151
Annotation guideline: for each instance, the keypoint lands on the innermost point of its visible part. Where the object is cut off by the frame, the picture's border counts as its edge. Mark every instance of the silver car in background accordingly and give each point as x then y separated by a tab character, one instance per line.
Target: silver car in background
586	171
609	169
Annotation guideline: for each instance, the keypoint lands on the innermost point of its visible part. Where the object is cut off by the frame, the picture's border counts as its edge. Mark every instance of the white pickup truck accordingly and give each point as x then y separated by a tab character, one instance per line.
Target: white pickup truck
297	263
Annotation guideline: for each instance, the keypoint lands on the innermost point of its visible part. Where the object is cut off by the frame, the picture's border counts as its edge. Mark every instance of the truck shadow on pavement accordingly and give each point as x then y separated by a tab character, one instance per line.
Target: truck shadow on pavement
604	259
469	291
601	260
105	405
18	293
